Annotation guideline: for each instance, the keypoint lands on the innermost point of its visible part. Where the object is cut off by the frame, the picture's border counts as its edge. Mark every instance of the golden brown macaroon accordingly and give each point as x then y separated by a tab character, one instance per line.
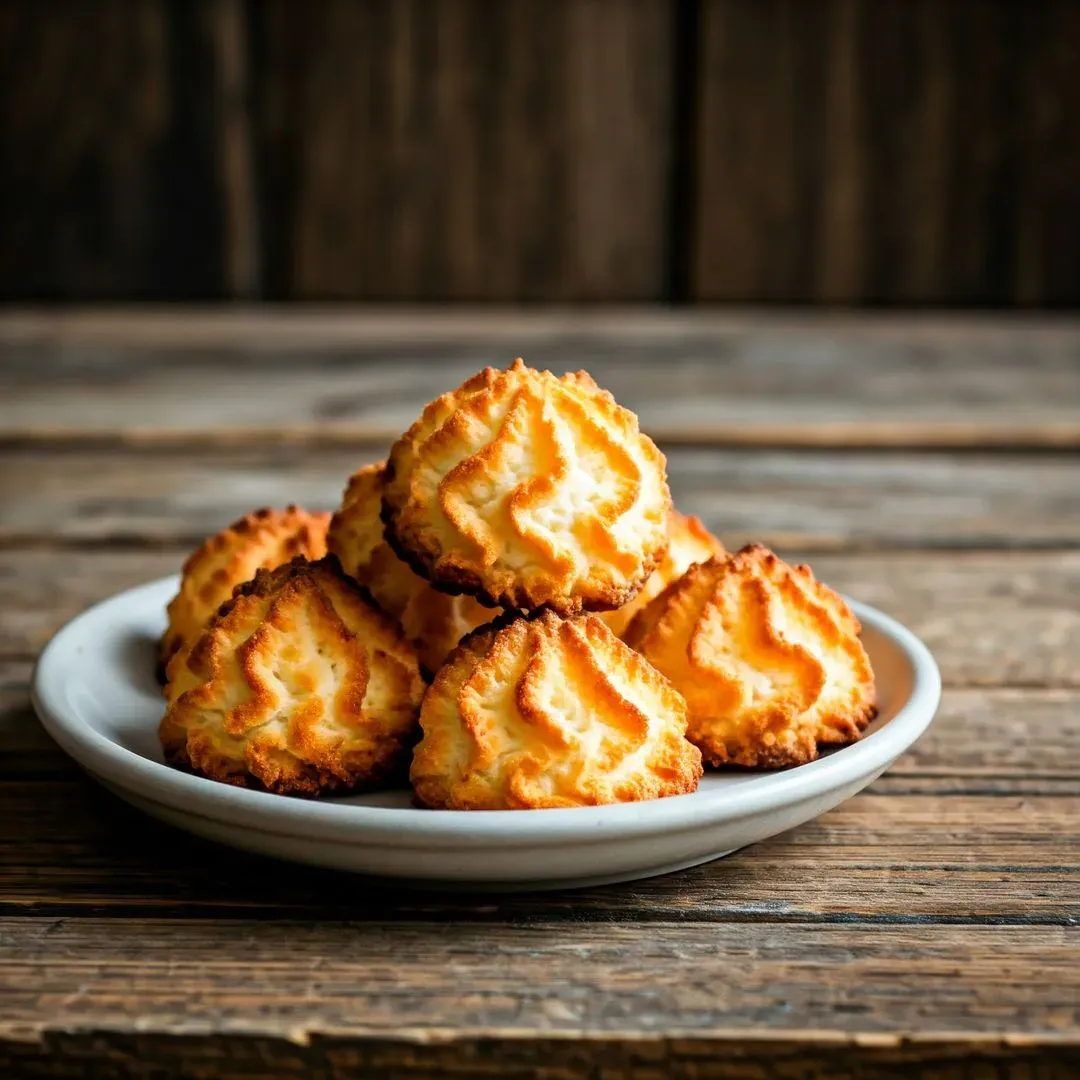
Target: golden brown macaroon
526	489
261	540
689	542
433	620
768	658
539	712
301	685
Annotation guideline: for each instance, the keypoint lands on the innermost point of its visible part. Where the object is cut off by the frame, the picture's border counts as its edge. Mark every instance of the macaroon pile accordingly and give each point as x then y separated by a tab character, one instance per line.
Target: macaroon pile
510	612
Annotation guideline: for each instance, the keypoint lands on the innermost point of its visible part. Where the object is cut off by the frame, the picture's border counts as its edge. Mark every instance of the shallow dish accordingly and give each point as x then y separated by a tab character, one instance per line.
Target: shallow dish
95	691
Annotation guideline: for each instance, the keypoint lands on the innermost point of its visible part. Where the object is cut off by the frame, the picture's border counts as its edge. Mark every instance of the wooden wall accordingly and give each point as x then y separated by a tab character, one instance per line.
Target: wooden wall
824	151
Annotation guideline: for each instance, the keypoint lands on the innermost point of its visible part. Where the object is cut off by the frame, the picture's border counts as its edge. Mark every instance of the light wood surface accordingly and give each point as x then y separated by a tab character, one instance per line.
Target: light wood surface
809	498
930	923
696	376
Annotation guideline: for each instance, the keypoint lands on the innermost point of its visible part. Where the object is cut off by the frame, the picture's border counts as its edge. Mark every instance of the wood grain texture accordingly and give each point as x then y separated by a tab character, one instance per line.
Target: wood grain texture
886	857
928	925
465	151
810	499
241	256
895	151
772	379
1012	732
287	979
745	1057
25	748
991	619
110	185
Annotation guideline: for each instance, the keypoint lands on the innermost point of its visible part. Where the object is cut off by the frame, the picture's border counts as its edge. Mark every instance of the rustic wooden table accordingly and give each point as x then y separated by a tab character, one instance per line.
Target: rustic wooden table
928	465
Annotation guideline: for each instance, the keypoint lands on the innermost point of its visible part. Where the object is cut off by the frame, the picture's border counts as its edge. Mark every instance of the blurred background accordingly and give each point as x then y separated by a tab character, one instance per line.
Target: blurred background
837	152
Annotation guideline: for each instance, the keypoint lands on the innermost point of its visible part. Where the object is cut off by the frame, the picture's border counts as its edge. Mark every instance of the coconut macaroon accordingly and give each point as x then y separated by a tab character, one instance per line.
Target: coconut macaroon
539	712
689	542
768	658
433	620
261	540
300	685
524	489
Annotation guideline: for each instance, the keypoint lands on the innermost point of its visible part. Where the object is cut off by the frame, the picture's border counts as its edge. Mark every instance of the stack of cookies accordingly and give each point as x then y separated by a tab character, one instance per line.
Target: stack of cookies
629	646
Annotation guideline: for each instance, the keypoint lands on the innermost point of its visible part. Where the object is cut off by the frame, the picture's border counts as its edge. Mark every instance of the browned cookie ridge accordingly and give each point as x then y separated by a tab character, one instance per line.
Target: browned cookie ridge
526	489
532	713
433	620
300	685
689	542
768	659
261	540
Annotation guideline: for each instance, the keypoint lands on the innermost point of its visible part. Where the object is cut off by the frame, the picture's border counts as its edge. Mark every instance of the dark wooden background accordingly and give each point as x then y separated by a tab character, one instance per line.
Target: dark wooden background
841	151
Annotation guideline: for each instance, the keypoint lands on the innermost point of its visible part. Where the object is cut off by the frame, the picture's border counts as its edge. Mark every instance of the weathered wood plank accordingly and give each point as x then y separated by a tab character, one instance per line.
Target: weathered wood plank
25	749
461	151
69	848
760	379
293	979
1009	732
110	184
642	1056
810	499
991	619
40	592
855	152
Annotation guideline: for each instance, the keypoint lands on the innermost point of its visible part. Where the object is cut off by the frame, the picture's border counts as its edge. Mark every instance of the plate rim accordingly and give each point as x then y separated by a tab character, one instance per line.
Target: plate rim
415	827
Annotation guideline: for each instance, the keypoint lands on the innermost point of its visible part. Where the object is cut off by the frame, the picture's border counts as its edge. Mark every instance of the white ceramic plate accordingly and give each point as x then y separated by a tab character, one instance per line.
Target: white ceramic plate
96	694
